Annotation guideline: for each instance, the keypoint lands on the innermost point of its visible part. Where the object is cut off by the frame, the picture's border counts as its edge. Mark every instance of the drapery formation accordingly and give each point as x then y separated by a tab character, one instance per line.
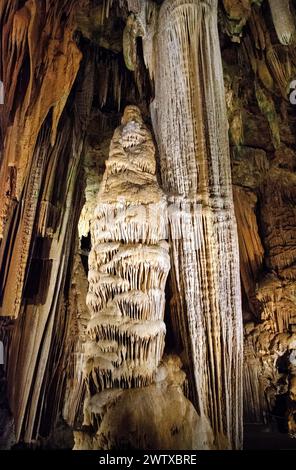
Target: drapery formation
41	147
189	119
63	63
53	62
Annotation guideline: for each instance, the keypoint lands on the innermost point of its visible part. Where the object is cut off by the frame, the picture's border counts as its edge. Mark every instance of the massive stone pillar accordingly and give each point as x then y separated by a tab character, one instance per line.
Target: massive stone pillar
129	262
134	397
190	123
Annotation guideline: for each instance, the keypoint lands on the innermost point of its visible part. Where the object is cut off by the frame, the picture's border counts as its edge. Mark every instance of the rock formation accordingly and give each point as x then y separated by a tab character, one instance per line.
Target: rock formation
284	21
79	223
263	163
195	169
128	267
128	263
158	416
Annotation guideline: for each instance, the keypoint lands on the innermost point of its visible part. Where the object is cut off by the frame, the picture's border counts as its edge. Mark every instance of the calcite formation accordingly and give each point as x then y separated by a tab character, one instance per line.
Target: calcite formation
283	20
191	129
270	344
269	375
158	416
263	165
39	202
54	61
250	244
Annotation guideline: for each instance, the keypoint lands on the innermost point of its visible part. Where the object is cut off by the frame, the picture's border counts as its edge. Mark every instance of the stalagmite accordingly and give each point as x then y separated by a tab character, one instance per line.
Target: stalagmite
189	119
128	264
158	416
92	351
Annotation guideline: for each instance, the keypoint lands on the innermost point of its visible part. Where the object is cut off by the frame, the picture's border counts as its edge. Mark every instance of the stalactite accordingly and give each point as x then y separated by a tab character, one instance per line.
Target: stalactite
267	107
102	365
13	283
279	193
80	316
268	373
39	169
258	30
45	321
189	118
265	376
279	62
112	83
283	20
277	303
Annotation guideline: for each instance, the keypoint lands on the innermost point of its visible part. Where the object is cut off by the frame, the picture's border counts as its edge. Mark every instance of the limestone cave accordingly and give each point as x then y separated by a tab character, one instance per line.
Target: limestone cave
147	224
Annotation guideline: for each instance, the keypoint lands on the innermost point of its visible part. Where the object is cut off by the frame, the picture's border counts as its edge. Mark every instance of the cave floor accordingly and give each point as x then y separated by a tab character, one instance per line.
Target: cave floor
260	437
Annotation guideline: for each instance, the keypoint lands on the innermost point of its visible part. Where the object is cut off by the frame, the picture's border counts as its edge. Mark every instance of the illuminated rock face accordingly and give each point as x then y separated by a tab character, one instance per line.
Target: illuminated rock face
64	84
154	417
128	267
269	372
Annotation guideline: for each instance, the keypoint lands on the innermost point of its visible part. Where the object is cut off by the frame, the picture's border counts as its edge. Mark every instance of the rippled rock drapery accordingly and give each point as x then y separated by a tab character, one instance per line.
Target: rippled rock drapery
54	62
62	63
263	170
190	122
270	343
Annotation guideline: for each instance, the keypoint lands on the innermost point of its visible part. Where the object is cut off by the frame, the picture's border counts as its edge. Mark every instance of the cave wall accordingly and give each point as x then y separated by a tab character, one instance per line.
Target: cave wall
258	71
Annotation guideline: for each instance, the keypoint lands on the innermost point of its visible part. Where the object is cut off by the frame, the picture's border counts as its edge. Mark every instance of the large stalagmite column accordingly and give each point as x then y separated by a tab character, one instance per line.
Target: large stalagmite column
189	119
